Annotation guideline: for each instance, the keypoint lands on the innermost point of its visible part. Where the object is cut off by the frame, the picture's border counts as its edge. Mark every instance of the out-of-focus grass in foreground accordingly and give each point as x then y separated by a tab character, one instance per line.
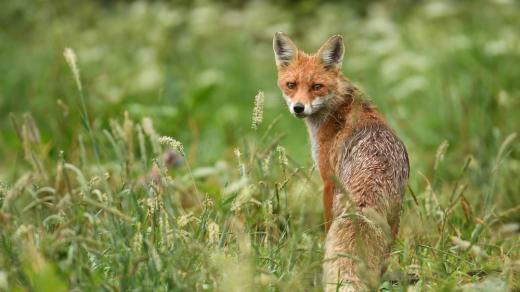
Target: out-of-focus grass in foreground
96	191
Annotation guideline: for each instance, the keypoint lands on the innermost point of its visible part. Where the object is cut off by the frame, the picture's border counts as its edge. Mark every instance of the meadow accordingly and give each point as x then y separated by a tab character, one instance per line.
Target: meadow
144	146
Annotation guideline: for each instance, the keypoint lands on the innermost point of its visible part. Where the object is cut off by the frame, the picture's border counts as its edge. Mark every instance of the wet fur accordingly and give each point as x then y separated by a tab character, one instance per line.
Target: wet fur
363	164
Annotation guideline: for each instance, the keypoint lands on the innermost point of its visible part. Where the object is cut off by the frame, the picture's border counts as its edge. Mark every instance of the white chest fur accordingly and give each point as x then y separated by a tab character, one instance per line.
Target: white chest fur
313	127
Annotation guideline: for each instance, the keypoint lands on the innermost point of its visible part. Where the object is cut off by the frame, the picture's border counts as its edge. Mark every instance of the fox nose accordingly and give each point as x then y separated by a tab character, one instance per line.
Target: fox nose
299	108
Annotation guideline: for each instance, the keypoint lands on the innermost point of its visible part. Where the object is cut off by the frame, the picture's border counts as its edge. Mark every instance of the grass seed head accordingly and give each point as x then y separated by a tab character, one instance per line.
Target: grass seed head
71	59
3	189
282	156
439	154
258	111
172	143
213	233
148	126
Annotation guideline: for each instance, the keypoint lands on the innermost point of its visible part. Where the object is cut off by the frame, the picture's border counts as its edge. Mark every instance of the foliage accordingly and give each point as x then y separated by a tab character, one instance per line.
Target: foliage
96	194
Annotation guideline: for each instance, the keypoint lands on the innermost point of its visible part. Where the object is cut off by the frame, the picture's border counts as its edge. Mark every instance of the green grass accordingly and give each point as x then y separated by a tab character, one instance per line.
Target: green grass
89	203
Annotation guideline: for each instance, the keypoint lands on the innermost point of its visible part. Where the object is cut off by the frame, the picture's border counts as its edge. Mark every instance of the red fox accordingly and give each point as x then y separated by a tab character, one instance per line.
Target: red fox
363	164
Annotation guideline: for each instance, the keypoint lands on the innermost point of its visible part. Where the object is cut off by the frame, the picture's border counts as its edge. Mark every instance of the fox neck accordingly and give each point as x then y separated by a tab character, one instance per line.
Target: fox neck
335	109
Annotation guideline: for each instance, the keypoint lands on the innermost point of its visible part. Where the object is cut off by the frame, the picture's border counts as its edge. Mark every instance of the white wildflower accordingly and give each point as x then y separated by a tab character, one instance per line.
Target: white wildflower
148	78
496	47
503	98
436	9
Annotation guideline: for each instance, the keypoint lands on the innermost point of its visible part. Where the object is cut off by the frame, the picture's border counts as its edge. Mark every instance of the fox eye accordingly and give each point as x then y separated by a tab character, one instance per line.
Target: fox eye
317	86
291	85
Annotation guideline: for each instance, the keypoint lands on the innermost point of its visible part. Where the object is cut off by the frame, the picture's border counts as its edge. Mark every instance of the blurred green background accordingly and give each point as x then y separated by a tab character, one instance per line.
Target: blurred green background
445	74
438	70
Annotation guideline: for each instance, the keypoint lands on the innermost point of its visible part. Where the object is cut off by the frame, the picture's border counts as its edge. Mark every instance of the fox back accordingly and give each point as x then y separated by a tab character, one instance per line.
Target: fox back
363	164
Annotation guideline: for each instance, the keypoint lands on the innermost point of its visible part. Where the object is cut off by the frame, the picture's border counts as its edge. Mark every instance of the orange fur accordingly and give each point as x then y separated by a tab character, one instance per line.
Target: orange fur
338	127
307	70
363	165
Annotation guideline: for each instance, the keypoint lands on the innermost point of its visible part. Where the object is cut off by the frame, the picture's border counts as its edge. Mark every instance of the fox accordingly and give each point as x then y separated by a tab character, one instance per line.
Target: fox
364	166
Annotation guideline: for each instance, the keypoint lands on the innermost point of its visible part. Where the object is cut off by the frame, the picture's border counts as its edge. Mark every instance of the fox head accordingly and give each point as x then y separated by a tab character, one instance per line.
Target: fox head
308	81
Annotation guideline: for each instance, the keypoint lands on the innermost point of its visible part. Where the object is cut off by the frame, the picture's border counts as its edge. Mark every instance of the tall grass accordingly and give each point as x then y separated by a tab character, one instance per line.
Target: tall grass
175	178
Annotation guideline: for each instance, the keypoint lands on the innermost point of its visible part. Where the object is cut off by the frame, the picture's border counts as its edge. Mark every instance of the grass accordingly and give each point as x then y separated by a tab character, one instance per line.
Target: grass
96	195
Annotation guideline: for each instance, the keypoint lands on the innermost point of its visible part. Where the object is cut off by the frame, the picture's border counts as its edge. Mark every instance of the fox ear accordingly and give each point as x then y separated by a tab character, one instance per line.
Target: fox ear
284	49
331	52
